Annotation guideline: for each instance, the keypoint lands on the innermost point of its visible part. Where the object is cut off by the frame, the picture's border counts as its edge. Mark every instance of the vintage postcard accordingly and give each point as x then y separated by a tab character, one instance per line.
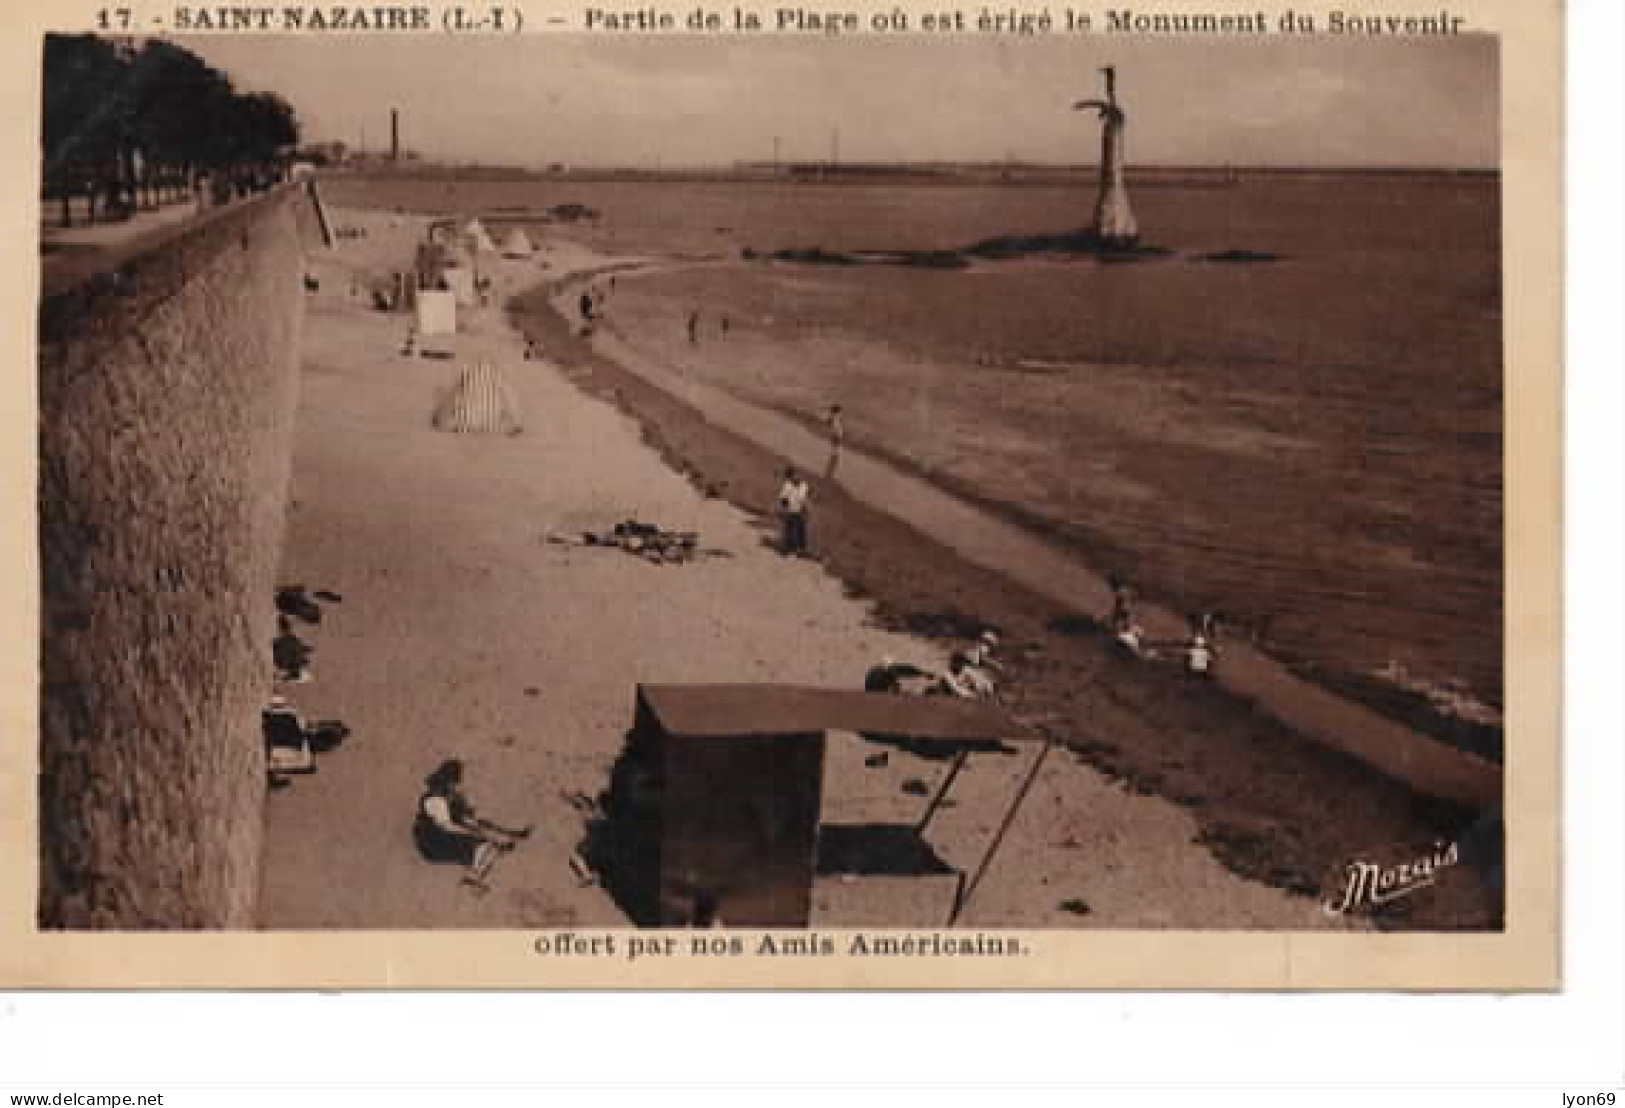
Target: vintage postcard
1049	495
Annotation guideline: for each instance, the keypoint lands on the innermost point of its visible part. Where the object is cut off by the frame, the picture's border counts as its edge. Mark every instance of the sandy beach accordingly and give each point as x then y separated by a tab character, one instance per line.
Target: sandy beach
463	631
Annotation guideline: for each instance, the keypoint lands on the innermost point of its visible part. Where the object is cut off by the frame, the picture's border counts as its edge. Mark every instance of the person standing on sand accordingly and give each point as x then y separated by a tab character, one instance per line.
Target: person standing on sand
447	829
694	326
1201	654
836	429
588	319
794	501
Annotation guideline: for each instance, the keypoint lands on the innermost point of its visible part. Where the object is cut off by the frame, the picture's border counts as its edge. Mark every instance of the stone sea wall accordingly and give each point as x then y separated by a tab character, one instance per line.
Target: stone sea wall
167	391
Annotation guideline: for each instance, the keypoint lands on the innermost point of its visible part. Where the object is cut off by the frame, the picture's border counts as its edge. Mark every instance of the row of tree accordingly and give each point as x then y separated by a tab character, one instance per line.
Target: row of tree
128	124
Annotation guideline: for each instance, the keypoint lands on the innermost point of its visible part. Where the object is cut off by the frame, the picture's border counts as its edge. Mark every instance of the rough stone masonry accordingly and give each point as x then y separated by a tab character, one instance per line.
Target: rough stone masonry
166	396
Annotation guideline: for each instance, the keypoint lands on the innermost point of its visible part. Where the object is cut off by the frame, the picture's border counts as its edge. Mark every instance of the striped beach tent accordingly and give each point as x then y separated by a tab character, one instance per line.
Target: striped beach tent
480	403
517	244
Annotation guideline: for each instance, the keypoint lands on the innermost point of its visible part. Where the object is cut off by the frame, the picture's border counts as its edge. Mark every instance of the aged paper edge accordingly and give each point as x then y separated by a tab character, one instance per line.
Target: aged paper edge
1525	956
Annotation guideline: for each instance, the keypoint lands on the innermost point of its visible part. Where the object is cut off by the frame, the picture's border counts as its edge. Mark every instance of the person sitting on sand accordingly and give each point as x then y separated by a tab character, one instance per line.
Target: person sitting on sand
981	654
287	743
889	675
794	500
290	654
964	680
447	829
1130	638
979	678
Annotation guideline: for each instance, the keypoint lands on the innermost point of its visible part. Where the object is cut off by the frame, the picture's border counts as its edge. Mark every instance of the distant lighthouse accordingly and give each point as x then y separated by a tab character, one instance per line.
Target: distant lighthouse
1114	224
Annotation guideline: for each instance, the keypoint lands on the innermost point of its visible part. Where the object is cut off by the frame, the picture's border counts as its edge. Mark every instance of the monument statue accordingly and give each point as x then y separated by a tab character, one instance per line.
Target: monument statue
1114	224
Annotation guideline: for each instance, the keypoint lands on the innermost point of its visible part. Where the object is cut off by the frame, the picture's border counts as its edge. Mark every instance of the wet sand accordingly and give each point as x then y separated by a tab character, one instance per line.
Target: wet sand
463	632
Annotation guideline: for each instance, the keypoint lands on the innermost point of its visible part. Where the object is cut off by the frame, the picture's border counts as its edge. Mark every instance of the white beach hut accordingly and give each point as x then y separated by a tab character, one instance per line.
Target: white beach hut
436	312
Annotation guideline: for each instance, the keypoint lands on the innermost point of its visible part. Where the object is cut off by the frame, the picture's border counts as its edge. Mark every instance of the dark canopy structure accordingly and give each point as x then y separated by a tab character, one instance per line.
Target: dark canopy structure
733	711
729	788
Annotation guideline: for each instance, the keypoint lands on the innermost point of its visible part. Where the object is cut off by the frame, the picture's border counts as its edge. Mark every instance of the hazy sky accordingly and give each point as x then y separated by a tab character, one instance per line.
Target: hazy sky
535	99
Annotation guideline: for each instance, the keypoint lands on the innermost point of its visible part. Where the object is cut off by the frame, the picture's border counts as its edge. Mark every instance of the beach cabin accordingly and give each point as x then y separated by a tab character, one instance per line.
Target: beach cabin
460	282
719	792
478	238
436	313
434	258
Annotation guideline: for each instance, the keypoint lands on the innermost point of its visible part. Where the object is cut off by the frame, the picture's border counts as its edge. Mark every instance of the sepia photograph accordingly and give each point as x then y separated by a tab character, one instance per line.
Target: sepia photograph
899	494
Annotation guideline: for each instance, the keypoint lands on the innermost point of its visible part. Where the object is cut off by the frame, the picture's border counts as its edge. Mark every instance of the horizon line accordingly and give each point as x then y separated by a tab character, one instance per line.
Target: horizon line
381	158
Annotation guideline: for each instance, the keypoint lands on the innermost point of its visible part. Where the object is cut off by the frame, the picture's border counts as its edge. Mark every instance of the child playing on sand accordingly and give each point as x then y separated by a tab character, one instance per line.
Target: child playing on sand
447	830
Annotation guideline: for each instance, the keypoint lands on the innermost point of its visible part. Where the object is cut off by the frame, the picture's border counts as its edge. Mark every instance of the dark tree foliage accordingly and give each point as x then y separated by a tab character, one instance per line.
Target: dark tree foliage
82	77
122	122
